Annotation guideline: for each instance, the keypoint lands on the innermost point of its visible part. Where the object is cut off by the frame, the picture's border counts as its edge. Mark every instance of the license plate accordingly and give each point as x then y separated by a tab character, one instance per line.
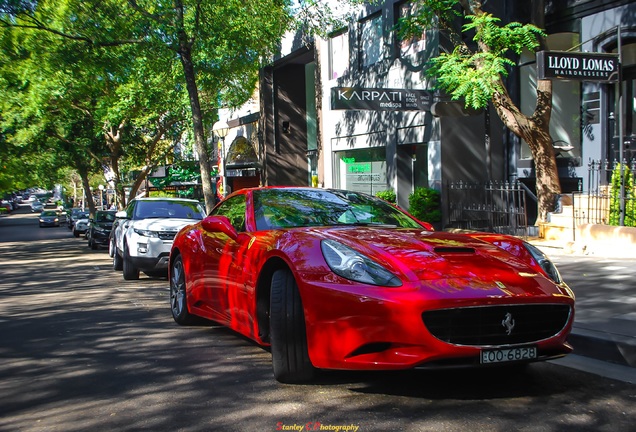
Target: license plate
508	355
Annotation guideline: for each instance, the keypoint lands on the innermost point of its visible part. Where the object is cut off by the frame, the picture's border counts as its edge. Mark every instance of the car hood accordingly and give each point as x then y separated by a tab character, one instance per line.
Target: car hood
105	225
447	262
163	224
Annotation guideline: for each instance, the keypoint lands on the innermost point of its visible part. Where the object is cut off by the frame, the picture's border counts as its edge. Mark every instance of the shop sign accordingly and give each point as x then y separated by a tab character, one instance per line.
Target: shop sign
362	176
250	172
377	99
577	66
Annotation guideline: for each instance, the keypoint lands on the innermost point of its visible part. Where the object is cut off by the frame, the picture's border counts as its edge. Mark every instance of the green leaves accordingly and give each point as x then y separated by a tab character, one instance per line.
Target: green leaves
476	74
499	40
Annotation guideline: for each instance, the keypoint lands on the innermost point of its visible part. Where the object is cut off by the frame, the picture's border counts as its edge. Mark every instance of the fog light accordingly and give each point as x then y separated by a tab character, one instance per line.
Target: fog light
142	247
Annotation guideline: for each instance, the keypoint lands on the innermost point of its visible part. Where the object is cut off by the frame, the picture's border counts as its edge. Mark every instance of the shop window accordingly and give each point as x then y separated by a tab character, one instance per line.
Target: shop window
241	152
371	41
361	170
339	55
628	89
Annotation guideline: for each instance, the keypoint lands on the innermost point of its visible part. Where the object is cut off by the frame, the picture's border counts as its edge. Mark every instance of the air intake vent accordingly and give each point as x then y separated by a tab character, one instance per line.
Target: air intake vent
453	250
497	325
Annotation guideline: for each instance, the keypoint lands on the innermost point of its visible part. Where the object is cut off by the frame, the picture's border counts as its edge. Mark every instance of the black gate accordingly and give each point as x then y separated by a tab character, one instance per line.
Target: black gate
498	207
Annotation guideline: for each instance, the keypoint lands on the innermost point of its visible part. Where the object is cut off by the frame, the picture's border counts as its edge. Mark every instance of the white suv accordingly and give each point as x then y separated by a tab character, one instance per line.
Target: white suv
144	232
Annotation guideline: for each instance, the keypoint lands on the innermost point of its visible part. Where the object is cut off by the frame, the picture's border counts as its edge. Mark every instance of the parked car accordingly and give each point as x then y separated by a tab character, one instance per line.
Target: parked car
37	206
99	228
143	239
63	215
5	204
81	226
49	218
74	214
334	279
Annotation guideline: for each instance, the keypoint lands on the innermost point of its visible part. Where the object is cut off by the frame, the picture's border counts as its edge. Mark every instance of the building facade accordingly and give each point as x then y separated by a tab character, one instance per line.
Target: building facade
357	111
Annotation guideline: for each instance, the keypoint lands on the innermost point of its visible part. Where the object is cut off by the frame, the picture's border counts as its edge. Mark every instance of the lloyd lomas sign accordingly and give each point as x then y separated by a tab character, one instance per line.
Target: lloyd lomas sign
356	98
577	66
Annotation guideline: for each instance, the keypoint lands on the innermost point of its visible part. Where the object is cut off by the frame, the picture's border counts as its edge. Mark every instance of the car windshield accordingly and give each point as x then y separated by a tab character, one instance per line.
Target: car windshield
105	216
286	208
169	209
49	213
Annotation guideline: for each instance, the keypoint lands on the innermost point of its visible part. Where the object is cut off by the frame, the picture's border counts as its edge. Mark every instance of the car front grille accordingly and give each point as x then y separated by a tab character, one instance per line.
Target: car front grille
497	325
167	235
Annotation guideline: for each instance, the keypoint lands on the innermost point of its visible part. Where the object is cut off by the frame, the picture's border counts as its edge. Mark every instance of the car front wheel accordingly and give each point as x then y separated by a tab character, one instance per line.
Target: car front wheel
178	303
117	261
290	356
111	248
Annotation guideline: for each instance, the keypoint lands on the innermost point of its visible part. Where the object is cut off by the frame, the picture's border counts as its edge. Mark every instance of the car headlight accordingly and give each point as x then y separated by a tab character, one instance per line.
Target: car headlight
146	233
351	264
548	267
99	229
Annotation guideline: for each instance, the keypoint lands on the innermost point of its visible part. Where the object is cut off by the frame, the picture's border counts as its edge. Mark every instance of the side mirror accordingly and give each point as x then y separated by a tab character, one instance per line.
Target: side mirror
427	225
219	224
121	214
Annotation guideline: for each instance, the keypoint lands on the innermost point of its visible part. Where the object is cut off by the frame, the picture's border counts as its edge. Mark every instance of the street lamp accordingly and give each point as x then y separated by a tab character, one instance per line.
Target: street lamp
101	197
221	129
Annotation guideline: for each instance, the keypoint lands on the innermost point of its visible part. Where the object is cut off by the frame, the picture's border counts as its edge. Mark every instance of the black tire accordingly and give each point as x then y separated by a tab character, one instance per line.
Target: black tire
118	263
290	356
92	244
75	233
178	303
111	248
130	271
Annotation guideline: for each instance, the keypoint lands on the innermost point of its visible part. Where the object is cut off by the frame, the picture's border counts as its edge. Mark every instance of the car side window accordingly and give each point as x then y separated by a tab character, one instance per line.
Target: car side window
234	209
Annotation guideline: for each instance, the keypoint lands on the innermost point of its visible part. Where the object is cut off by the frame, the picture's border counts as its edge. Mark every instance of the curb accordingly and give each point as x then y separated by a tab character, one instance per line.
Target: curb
611	348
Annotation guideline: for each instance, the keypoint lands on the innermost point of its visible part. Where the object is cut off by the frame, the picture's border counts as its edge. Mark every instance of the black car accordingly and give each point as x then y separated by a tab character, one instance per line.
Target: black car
99	227
49	218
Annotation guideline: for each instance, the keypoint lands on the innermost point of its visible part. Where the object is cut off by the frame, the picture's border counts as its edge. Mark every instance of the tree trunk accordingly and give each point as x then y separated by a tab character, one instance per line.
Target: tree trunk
88	196
185	55
113	142
547	179
535	130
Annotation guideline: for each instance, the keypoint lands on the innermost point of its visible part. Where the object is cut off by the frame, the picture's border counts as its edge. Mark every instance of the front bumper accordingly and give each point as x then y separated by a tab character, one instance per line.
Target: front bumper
149	253
383	328
101	238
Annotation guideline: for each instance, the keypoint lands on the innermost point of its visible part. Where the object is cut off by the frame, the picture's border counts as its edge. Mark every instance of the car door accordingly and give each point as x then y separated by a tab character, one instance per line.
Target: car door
223	269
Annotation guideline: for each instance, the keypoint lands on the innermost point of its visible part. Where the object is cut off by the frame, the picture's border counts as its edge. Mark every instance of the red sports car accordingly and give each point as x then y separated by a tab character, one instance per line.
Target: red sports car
335	279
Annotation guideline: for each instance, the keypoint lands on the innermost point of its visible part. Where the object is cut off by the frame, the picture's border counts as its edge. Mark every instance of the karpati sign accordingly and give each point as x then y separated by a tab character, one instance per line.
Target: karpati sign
577	66
357	98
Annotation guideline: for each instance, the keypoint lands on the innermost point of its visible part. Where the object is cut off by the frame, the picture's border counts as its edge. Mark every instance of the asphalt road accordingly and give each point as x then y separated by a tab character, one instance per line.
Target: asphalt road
82	350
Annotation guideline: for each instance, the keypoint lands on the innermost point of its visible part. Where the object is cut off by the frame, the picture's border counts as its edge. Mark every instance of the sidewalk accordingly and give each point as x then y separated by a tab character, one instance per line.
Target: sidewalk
604	326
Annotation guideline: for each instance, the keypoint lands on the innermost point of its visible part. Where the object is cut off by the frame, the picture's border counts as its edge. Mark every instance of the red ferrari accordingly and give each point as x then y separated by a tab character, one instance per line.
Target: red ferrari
335	279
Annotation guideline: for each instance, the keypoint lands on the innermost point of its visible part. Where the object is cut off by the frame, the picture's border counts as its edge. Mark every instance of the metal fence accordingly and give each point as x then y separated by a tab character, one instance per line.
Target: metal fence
601	203
492	206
